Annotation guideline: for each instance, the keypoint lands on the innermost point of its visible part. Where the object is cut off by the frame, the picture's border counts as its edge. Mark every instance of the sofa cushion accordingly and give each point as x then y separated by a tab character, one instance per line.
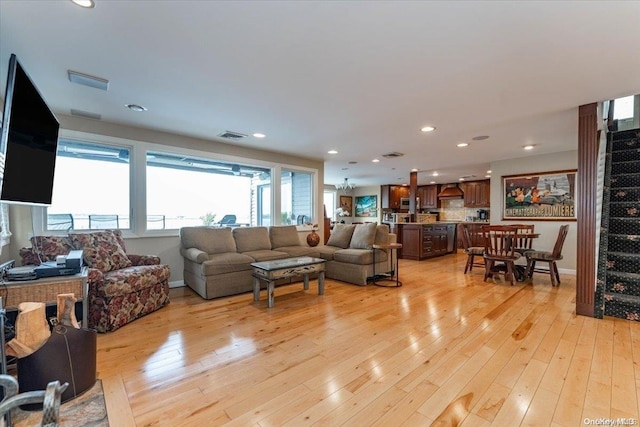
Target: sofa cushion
251	239
132	279
326	252
282	236
341	235
299	250
266	255
382	234
101	250
208	239
228	262
363	236
354	256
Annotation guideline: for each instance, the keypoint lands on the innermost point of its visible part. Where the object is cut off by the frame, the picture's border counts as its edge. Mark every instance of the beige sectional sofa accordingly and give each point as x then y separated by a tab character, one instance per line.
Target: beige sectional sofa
217	261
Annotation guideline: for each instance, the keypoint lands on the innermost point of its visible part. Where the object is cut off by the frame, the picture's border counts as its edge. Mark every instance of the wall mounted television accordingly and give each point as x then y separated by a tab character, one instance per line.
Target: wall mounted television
28	142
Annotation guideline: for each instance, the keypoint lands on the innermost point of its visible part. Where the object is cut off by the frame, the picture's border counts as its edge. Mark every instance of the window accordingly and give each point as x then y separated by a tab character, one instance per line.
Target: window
91	181
330	204
186	191
623	108
296	197
107	182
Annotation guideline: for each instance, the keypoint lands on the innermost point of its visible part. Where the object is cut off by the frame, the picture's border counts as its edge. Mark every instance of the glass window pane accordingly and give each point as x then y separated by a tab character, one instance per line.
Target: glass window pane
82	197
186	191
330	204
296	197
623	108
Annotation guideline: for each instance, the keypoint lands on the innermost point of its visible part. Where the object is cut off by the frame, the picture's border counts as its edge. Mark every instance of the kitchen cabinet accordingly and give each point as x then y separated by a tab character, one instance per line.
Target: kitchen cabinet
426	241
477	194
428	195
390	196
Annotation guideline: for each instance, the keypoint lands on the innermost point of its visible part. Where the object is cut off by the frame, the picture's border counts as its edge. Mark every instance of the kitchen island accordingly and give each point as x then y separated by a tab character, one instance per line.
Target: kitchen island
425	240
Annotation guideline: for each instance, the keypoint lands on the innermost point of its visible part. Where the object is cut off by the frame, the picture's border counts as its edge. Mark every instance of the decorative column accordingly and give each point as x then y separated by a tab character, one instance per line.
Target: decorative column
586	195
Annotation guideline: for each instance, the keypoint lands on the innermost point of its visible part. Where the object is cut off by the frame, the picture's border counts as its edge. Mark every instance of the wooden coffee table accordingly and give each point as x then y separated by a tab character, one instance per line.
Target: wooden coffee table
270	271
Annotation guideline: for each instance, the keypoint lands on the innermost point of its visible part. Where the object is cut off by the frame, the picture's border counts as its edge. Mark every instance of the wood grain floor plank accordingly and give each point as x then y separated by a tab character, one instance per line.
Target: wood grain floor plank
444	349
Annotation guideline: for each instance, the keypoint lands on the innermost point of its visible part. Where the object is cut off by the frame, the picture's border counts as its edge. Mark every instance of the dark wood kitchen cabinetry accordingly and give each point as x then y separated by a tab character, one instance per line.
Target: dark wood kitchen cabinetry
428	195
425	241
390	196
477	194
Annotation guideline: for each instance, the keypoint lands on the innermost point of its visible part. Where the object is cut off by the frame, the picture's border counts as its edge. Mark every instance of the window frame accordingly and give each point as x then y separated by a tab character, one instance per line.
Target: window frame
137	181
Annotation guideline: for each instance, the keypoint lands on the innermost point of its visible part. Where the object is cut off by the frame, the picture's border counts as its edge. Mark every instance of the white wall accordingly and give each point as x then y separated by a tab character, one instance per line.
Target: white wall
548	229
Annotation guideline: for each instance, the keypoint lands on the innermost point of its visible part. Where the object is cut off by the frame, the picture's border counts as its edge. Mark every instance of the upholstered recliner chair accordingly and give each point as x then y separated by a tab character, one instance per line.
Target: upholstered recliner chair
122	287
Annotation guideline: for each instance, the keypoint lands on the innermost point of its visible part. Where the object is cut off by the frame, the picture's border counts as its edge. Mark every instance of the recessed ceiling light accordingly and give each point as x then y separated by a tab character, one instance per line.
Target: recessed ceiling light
259	135
135	107
427	129
332	151
462	144
487	176
529	147
432	182
414	170
488	171
460	179
89	4
480	137
375	160
435	174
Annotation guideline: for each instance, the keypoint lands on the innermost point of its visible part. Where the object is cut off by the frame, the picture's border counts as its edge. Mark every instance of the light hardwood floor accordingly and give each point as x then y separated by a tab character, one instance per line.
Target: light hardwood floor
444	349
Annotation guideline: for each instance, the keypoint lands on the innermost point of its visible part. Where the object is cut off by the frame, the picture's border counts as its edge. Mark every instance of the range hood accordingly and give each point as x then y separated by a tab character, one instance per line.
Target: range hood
450	191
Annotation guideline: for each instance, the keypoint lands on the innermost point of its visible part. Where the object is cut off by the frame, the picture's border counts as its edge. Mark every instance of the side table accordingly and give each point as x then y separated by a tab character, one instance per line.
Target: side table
389	275
47	289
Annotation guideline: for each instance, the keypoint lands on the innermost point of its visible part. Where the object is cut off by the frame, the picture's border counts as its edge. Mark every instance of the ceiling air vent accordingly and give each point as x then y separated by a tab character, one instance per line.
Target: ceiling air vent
236	136
85	114
392	155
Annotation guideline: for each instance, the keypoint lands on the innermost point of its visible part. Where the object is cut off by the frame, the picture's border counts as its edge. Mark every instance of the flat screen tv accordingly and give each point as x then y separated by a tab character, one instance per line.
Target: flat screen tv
28	142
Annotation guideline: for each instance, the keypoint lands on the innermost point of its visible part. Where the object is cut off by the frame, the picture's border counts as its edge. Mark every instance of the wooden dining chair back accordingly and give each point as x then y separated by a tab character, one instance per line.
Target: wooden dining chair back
499	247
524	239
548	257
471	251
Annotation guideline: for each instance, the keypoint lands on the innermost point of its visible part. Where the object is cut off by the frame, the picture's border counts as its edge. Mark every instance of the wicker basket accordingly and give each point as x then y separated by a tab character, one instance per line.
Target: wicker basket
43	290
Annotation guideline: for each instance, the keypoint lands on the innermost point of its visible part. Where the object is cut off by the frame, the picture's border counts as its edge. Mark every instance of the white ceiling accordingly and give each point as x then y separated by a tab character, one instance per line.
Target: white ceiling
361	77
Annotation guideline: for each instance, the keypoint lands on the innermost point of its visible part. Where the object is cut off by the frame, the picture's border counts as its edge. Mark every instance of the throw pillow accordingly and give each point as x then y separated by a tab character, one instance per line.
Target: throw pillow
101	250
341	235
382	234
364	236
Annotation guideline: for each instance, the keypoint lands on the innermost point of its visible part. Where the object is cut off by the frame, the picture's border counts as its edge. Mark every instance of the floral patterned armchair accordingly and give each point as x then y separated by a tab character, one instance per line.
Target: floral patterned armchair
122	287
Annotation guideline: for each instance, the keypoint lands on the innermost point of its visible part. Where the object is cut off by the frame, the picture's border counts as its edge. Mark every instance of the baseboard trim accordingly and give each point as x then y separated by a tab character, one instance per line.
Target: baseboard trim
176	284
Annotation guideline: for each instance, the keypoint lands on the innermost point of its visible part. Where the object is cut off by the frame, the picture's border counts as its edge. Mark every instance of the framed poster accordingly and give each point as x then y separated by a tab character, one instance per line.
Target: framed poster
346	204
366	206
542	196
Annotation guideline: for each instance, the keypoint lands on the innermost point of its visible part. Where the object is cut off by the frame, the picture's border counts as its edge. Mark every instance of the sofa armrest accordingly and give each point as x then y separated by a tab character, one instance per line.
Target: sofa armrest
194	254
143	259
94	275
393	238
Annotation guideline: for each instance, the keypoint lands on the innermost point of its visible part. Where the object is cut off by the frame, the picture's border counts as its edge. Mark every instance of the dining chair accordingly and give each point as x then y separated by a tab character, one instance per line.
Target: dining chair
499	247
471	251
103	221
59	222
549	257
524	238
